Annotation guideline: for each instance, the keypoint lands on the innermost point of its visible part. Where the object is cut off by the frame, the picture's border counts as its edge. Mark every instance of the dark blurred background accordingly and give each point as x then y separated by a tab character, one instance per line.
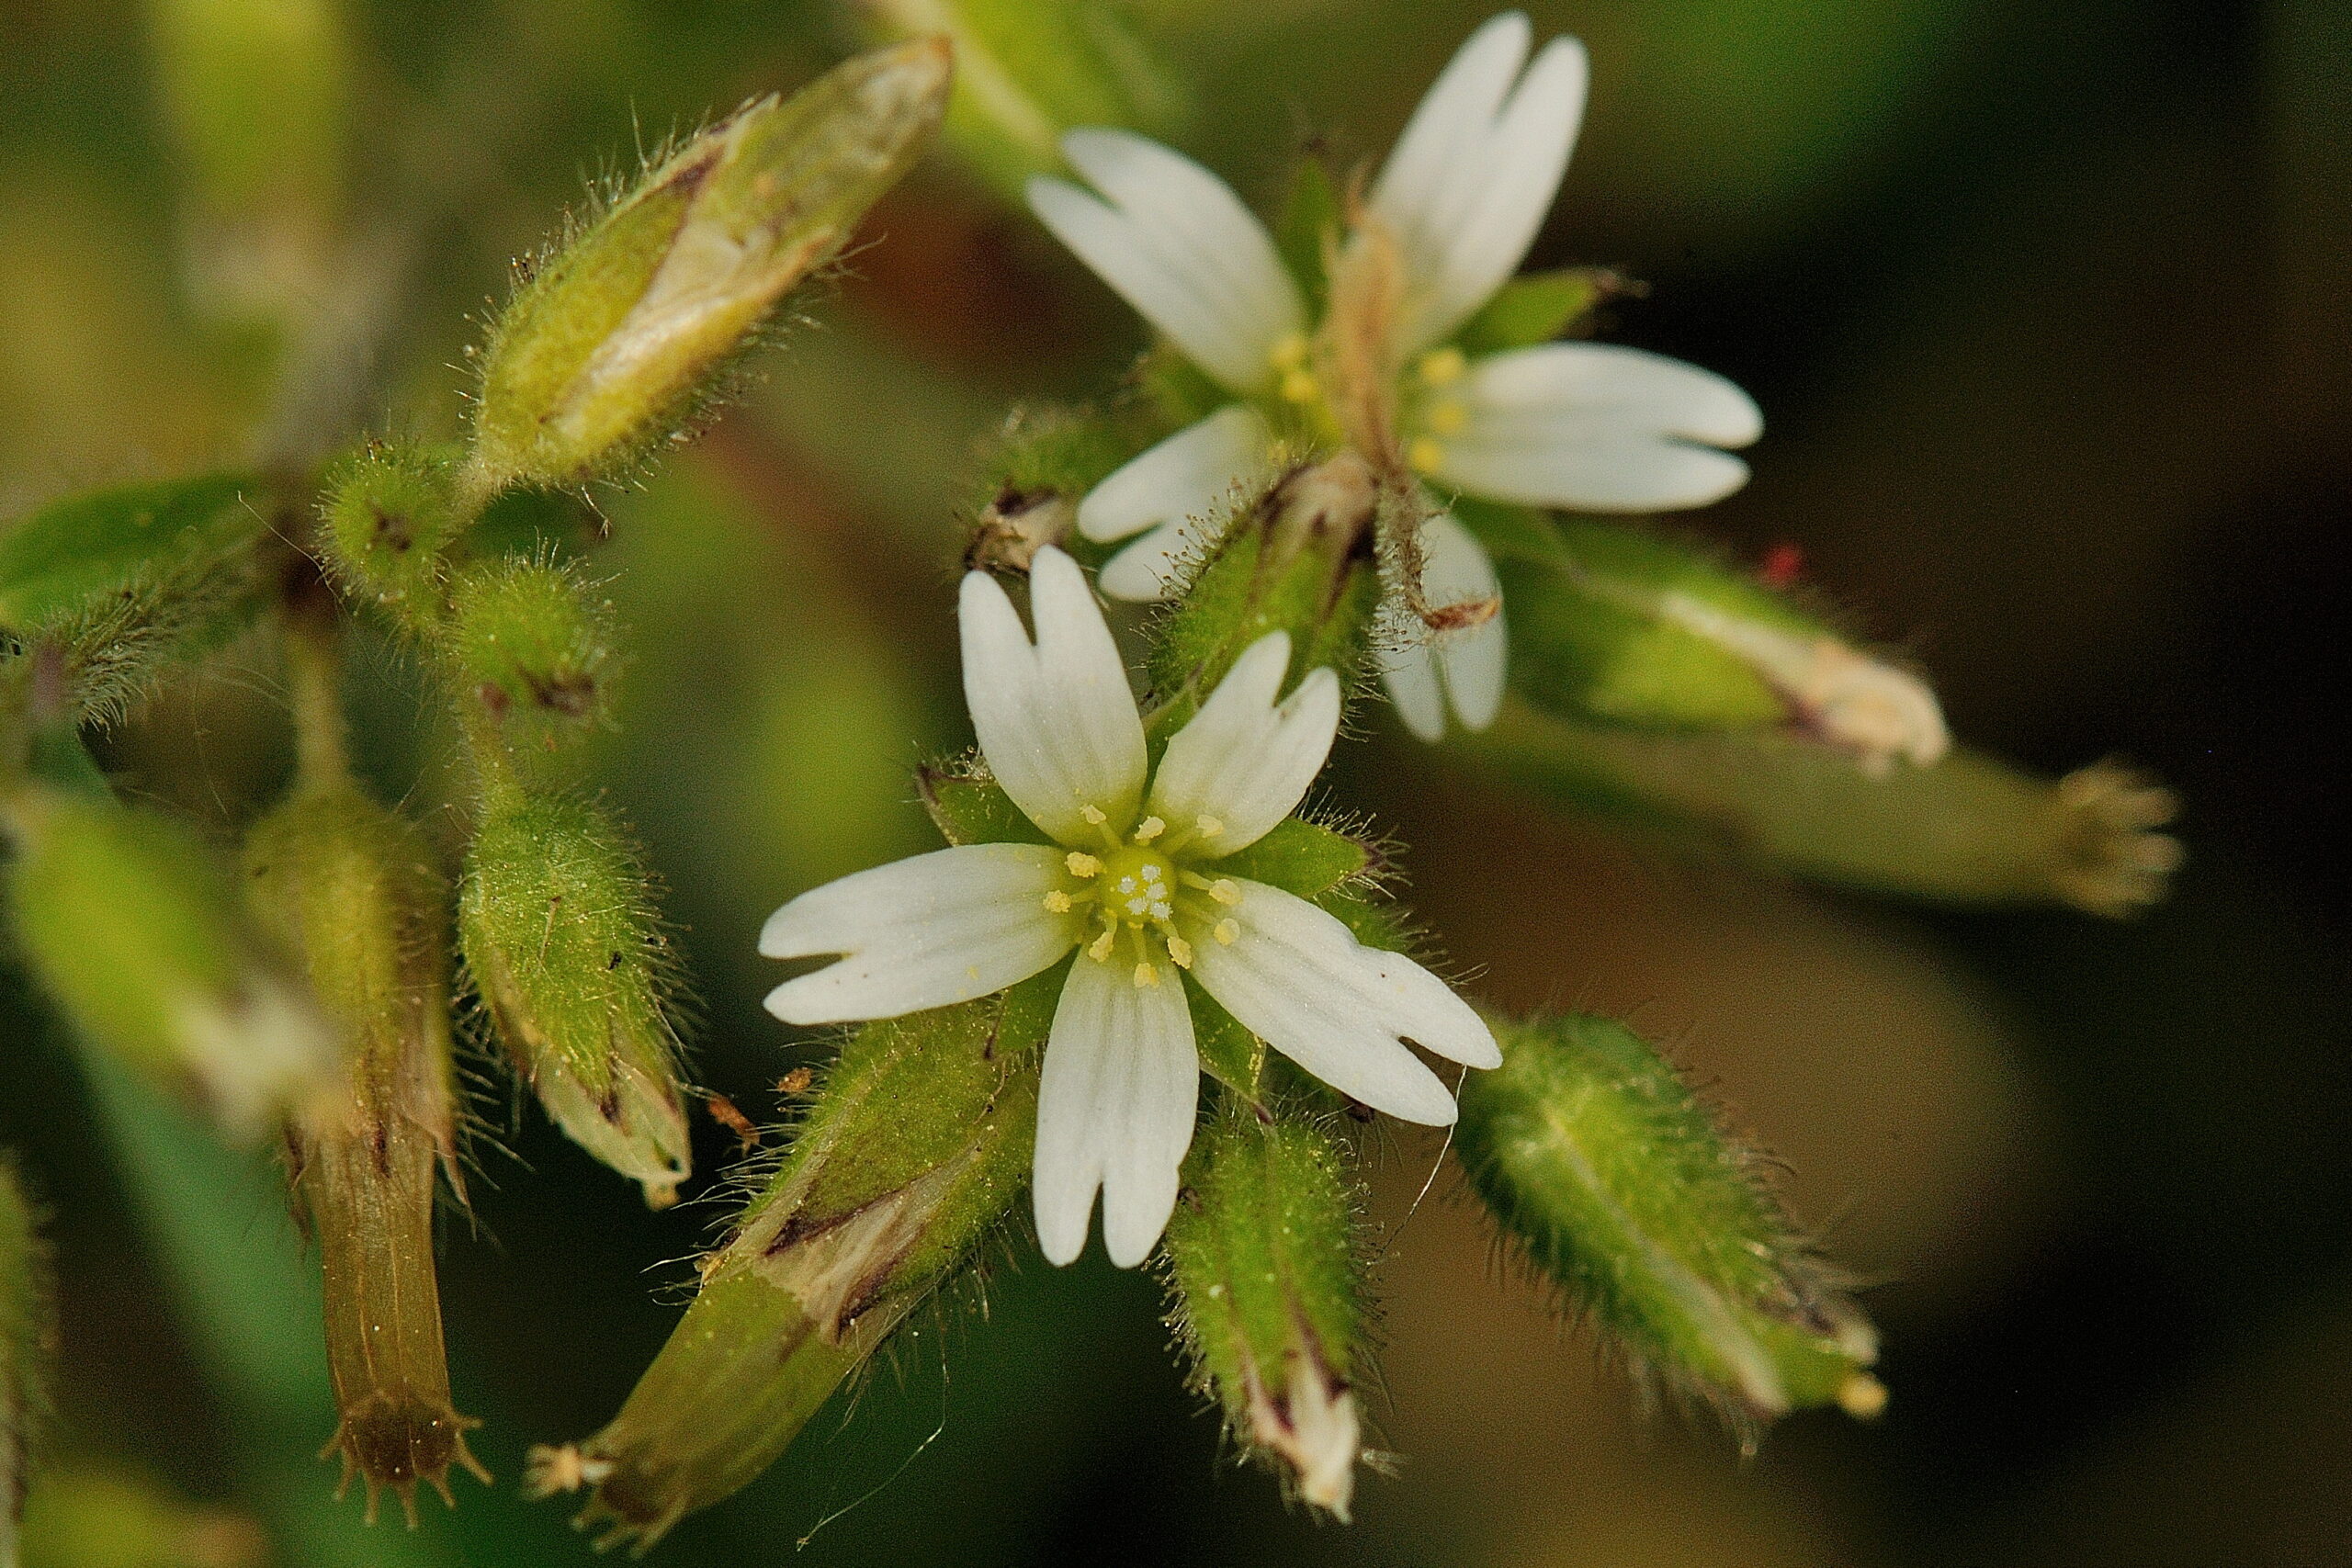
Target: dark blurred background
2050	309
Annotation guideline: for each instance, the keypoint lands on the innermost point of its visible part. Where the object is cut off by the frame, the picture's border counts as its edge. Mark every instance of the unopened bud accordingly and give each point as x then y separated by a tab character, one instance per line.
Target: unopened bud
1597	1161
534	645
563	947
1297	558
916	1144
354	890
1621	624
28	1341
390	514
1269	1294
1026	71
132	926
601	355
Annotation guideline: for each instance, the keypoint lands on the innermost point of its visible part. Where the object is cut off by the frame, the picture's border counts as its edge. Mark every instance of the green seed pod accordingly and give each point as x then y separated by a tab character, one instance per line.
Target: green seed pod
1028	70
390	514
1269	1293
129	922
1613	623
601	353
564	949
916	1147
1969	830
28	1341
354	890
1298	558
1599	1162
534	643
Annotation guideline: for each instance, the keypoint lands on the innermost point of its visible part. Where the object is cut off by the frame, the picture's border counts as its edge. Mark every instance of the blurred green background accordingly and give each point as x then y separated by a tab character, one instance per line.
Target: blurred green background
2045	304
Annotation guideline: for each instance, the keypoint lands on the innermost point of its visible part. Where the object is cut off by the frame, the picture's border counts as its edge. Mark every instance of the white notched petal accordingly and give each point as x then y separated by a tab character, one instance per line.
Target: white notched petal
1469	666
1178	489
1297	977
1176	243
1115	1108
1055	721
1598	427
940	927
1243	760
1476	170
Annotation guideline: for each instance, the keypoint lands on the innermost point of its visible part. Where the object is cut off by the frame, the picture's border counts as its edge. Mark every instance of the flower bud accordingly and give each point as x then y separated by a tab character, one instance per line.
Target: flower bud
354	890
28	1341
1298	558
1597	1161
1027	71
534	642
916	1145
390	514
1270	1294
1619	624
601	353
129	922
1971	830
564	949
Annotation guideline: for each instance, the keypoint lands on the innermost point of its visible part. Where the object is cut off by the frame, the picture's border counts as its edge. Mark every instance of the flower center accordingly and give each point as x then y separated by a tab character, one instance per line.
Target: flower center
1139	894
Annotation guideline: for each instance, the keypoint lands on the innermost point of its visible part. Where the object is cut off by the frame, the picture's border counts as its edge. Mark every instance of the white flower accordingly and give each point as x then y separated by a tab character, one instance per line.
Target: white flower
1131	881
1589	426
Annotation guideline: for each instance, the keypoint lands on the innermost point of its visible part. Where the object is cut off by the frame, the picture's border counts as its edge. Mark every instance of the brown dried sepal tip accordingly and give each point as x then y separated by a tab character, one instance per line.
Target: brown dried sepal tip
1016	525
393	1443
723	1112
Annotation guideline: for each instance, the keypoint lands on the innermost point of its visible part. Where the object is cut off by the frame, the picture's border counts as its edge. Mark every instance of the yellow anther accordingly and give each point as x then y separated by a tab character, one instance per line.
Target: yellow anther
1080	864
1146	976
1093	815
1207	826
1224	890
1862	1396
1300	387
1100	949
1289	353
1057	902
1226	932
1425	455
1180	951
1446	417
1148	829
1444	367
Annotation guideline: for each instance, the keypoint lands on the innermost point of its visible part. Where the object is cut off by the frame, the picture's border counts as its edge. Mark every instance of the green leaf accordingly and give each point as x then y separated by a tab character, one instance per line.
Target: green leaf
1535	309
73	553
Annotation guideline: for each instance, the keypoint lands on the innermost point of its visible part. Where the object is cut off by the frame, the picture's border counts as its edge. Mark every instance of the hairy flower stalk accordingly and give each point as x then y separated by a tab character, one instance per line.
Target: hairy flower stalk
27	1335
1270	1296
352	889
916	1147
568	959
1141	874
1599	1164
603	350
1398	367
1624	625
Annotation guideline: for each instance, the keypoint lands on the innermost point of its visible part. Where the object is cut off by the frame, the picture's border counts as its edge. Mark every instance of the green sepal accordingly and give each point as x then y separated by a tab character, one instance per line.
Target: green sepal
64	558
536	646
1599	1163
1040	466
1300	857
1534	308
1311	220
389	516
1228	1051
1269	1297
916	1147
970	808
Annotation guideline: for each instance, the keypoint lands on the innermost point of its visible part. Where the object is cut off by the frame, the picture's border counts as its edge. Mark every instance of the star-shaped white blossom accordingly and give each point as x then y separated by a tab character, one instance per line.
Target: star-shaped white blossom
1131	880
1593	427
